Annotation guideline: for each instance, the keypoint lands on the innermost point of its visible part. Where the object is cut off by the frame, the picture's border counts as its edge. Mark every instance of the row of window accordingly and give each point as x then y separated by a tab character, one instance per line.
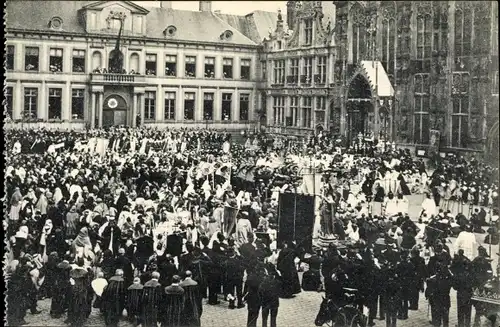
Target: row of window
293	76
300	110
30	108
150	106
32	61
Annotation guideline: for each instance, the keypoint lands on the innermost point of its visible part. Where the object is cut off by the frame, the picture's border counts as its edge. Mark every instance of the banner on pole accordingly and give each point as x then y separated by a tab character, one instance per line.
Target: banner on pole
230	214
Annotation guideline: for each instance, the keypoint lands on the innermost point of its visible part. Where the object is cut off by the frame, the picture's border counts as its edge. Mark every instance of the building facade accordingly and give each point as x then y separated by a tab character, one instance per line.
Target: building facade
413	72
180	68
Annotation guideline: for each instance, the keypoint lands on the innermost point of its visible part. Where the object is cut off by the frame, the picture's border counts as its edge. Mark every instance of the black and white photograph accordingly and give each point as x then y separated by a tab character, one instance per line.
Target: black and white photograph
251	164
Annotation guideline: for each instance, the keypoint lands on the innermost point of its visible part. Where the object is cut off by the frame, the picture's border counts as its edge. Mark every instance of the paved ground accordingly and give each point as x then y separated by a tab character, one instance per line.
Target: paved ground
298	312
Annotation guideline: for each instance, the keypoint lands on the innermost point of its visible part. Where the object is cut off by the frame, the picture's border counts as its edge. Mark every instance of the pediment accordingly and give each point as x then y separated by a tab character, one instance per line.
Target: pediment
126	5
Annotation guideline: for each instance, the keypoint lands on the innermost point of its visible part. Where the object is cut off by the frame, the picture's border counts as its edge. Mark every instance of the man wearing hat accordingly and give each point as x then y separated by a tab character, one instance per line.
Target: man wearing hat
234	270
111	235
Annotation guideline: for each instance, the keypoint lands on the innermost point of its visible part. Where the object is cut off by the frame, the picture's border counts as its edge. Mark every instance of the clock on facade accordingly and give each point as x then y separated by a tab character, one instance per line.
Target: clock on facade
112	103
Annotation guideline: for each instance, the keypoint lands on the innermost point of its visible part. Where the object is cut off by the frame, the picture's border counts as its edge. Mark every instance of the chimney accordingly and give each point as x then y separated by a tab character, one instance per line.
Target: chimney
206	6
166	4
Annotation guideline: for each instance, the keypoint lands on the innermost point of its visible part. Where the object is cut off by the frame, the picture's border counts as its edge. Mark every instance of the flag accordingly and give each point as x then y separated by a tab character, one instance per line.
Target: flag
142	150
101	146
230	214
311	184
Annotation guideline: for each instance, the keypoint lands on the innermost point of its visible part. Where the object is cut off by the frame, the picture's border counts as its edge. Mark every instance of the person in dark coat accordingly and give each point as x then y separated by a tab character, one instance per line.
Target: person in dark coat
438	294
143	251
255	276
269	295
417	285
79	305
173	305
111	235
289	275
133	301
151	302
123	263
234	271
392	296
167	270
462	283
191	313
17	297
113	299
62	286
405	271
311	279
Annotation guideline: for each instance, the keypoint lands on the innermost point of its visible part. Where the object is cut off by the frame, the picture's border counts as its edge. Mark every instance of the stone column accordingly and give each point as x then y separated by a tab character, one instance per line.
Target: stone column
17	104
343	114
66	102
142	108
159	103
43	102
92	112
133	119
100	107
218	67
179	105
198	113
217	104
235	106
331	69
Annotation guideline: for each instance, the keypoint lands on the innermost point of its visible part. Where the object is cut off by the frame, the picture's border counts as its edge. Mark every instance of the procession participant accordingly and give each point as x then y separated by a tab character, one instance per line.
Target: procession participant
78	307
255	276
243	229
59	302
98	286
405	272
113	299
429	206
419	276
311	279
269	295
392	297
17	297
123	264
462	283
174	304
133	301
234	272
438	294
466	241
152	302
167	270
192	311
440	257
288	271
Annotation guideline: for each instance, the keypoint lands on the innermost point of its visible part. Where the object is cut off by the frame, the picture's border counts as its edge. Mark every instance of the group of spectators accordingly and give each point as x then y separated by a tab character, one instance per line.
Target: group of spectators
154	229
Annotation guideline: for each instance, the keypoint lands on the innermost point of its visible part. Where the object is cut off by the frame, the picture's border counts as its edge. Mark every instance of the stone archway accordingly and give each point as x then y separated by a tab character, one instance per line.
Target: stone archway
115	109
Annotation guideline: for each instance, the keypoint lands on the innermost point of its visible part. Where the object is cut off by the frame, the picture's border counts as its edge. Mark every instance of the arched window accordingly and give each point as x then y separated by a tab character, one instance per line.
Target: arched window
463	36
424	43
134	63
482	19
388	44
359	29
96	60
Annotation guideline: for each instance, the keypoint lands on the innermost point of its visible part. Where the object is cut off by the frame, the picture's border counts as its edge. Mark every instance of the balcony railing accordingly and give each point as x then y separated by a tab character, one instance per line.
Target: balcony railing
116	78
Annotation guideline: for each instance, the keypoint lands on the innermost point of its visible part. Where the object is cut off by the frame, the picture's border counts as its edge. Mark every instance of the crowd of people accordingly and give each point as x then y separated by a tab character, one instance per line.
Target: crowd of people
141	224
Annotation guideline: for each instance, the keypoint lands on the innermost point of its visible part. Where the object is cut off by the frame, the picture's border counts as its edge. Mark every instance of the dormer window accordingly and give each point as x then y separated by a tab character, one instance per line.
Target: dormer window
227	35
170	31
56	23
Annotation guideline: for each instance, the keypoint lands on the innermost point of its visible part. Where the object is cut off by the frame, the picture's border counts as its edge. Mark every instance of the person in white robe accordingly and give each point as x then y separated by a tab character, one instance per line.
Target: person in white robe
243	228
403	205
391	205
466	241
429	206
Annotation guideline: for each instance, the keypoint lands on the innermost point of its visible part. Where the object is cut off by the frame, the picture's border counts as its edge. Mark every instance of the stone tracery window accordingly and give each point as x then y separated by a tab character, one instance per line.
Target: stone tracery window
358	33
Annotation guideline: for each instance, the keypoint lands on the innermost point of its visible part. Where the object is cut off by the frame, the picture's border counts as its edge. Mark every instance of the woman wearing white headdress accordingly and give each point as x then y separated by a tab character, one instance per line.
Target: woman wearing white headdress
57	195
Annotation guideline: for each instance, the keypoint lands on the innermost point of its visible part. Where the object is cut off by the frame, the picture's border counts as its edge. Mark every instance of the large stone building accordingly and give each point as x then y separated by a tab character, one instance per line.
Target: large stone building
183	68
413	72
